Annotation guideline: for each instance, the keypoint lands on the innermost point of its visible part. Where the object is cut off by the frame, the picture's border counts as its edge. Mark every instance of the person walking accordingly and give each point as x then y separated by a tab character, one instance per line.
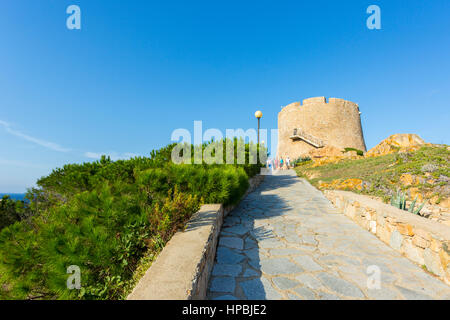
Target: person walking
269	165
281	163
288	162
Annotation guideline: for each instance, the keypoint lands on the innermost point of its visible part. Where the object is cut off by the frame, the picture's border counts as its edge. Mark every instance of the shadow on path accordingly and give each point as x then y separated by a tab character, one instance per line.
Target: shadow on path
246	233
285	240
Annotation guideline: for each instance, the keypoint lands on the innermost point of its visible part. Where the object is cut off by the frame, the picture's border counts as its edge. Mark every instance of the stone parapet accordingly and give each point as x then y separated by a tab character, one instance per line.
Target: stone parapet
421	240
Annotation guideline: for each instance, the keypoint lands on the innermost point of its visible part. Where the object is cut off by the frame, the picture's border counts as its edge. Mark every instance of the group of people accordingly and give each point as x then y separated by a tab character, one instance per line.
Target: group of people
279	163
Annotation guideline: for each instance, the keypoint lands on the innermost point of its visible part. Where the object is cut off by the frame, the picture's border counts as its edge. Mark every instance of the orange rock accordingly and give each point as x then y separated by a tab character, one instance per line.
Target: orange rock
324	186
396	142
321	161
445	203
352	184
445	258
405	229
407	179
348	184
415	192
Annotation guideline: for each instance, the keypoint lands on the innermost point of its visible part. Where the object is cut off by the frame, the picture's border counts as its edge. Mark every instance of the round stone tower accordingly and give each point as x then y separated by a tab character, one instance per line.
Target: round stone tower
317	123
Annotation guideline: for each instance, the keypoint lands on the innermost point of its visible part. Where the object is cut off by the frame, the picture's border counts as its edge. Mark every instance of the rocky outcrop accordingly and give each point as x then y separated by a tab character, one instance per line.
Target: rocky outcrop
327	151
398	142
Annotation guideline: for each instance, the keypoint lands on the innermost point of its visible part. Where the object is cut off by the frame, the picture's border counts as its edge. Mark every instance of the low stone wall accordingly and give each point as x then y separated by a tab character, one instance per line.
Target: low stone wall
423	241
182	269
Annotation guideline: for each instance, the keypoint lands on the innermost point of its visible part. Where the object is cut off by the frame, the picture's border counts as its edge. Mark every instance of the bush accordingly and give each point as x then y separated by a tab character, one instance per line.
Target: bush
358	152
301	161
105	232
11	211
104	217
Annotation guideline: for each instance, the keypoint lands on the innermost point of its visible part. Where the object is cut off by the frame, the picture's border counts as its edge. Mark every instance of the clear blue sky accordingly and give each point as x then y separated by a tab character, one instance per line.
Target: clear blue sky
137	70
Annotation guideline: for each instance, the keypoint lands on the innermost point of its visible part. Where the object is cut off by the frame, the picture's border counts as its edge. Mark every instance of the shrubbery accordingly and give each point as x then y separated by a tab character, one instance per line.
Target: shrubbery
11	211
104	217
358	152
301	161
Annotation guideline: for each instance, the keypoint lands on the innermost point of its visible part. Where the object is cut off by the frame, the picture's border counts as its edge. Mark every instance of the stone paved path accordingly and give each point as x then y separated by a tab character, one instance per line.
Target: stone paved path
286	241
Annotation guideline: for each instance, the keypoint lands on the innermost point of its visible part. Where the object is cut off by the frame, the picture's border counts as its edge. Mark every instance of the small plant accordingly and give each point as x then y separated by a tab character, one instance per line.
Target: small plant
358	152
399	201
301	160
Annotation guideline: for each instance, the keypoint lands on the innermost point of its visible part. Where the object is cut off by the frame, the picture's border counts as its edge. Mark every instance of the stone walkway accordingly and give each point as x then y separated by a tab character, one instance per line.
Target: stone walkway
286	241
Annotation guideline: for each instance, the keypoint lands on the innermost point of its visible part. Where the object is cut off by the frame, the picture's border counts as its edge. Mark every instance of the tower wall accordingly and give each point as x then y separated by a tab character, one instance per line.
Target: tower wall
336	122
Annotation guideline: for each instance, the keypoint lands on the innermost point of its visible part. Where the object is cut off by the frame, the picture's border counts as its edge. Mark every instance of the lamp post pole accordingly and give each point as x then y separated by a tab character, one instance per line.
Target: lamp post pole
258	115
258	130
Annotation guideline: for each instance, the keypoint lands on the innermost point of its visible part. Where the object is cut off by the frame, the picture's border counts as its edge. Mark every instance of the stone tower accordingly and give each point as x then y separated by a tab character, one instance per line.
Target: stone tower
318	123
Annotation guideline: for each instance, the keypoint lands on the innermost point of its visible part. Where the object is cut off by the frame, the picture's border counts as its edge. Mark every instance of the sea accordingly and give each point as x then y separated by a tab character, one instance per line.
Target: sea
14	196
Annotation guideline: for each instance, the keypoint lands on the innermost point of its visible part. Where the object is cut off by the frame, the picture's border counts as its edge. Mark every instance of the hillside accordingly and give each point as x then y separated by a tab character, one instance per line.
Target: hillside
424	173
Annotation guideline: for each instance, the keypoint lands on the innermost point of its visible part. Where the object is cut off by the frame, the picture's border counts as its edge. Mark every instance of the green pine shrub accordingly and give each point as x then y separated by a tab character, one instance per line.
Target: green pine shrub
12	211
106	217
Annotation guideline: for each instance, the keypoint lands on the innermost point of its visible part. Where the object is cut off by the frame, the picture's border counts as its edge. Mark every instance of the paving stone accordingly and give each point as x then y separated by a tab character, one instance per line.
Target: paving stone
327	296
340	286
259	289
307	263
271	243
305	293
228	256
223	284
293	297
249	272
231	221
294	238
383	294
250	243
309	281
225	297
262	233
306	247
285	252
412	295
255	255
232	270
232	242
279	266
239	230
284	283
308	239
